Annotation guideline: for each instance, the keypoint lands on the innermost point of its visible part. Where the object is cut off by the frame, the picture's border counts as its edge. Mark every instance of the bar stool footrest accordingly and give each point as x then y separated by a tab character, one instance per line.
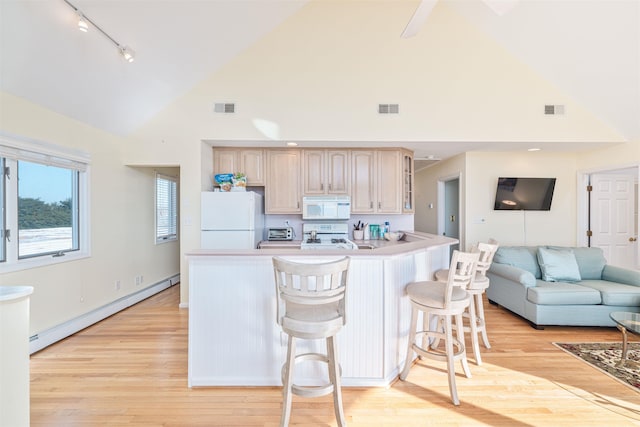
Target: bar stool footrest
311	390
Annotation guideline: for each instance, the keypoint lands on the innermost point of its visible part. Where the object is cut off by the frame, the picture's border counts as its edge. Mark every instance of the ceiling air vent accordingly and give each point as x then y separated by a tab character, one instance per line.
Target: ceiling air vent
220	107
388	109
554	109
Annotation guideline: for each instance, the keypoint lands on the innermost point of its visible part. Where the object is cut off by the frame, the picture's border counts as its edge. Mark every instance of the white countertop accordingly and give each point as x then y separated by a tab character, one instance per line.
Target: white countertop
10	293
411	241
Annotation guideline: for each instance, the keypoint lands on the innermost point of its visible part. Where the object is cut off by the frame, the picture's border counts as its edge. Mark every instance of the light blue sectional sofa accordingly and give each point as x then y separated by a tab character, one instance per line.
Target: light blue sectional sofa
551	285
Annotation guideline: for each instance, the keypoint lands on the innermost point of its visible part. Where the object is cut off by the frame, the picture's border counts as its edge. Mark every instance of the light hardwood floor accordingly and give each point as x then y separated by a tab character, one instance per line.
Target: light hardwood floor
131	369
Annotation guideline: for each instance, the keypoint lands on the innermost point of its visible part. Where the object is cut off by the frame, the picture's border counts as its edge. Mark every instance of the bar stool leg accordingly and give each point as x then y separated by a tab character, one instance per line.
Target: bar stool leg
451	369
288	381
460	336
412	338
334	377
481	322
473	328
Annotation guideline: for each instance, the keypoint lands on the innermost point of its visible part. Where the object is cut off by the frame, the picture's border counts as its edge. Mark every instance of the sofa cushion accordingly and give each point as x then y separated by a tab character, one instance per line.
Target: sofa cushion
562	293
524	257
591	261
558	265
615	293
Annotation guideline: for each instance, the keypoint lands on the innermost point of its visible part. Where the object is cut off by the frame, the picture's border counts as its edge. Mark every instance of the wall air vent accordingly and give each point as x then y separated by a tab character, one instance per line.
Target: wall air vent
554	109
220	107
388	109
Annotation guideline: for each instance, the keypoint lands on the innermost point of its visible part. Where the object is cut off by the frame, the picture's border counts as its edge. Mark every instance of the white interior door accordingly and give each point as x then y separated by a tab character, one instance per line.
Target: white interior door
613	218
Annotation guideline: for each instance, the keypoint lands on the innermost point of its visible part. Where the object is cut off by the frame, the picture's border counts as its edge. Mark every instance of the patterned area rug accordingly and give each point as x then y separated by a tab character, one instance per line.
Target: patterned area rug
605	357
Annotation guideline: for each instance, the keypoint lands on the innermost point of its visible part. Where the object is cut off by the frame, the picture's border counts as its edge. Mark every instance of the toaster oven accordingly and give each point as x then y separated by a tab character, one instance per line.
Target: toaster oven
280	233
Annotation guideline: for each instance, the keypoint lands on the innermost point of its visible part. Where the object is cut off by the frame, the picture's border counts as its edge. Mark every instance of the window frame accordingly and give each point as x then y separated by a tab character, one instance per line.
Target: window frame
14	148
172	208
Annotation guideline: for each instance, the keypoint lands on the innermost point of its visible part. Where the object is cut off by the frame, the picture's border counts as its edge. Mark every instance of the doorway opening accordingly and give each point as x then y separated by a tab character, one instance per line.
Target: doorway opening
449	209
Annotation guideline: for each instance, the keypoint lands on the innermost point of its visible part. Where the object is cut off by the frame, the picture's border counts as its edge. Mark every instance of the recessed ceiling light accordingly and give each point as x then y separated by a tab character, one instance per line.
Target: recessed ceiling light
292	144
534	149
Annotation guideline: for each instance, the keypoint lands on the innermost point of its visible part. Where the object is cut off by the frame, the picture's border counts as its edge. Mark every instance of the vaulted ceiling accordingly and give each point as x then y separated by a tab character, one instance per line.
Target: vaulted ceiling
589	49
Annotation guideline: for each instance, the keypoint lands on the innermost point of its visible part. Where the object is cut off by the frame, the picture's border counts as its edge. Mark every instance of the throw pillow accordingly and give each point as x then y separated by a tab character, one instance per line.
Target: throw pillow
524	257
558	265
591	261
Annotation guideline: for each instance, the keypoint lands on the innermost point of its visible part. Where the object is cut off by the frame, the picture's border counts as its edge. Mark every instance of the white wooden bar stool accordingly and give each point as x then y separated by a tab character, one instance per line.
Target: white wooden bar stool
444	301
480	283
311	305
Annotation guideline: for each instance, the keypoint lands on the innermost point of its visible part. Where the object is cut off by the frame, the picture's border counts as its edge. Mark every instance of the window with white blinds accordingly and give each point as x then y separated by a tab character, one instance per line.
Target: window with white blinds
166	208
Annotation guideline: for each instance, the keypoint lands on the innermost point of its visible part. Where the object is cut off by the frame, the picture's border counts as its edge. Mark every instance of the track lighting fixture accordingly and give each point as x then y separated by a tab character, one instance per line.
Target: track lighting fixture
128	53
83	25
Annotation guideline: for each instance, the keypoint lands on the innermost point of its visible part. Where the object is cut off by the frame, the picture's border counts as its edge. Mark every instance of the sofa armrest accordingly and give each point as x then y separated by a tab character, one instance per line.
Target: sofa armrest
515	274
612	273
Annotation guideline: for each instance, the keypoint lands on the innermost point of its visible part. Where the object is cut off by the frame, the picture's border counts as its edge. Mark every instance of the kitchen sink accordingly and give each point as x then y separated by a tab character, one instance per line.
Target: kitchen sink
366	247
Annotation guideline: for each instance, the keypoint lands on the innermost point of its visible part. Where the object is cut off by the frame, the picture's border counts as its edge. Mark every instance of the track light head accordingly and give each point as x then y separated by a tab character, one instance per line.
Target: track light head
82	23
128	53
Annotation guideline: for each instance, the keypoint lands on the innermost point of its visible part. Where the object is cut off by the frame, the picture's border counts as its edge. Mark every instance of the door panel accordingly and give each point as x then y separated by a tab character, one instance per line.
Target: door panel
612	211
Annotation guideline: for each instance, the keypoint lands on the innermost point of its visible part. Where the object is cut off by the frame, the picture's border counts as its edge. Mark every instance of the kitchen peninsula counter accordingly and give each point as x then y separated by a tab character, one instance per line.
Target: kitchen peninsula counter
234	339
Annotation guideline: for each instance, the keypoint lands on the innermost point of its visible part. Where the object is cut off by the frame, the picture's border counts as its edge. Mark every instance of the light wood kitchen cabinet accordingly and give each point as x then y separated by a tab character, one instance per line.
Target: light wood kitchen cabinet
377	181
389	181
283	186
249	161
325	172
363	180
252	164
407	183
225	161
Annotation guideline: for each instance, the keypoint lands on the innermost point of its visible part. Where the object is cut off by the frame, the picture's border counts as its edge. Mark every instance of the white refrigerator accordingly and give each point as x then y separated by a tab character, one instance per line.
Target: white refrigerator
231	220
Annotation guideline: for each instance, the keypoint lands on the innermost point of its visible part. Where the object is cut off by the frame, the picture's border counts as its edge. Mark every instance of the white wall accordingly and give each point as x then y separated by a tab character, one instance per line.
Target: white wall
554	227
481	170
122	223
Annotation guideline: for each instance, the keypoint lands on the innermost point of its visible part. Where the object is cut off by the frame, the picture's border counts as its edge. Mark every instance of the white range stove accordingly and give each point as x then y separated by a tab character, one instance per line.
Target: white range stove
326	236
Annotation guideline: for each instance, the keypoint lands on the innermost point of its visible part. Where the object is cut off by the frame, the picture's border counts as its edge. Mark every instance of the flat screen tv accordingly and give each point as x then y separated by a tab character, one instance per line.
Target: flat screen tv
528	194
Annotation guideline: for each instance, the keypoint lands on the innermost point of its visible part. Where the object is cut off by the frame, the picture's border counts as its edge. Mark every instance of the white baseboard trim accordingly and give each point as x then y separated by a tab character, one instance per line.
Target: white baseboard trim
49	336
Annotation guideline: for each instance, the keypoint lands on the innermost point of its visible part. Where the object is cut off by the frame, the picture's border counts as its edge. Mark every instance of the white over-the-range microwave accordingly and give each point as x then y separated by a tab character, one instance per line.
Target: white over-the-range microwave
326	207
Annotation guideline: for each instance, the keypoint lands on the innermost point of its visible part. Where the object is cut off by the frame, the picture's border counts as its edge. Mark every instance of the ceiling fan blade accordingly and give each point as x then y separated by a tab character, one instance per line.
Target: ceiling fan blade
419	17
500	7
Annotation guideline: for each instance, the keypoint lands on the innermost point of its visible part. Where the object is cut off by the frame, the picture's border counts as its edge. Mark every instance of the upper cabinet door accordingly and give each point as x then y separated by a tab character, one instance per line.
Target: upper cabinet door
363	181
389	177
252	164
338	171
225	160
314	175
408	191
282	190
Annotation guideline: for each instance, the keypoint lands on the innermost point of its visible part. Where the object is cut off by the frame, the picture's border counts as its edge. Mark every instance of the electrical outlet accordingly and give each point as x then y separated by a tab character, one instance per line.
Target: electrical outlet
117	285
141	279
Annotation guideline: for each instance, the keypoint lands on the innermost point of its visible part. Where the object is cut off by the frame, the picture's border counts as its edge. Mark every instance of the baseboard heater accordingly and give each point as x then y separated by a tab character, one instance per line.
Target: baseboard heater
49	336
